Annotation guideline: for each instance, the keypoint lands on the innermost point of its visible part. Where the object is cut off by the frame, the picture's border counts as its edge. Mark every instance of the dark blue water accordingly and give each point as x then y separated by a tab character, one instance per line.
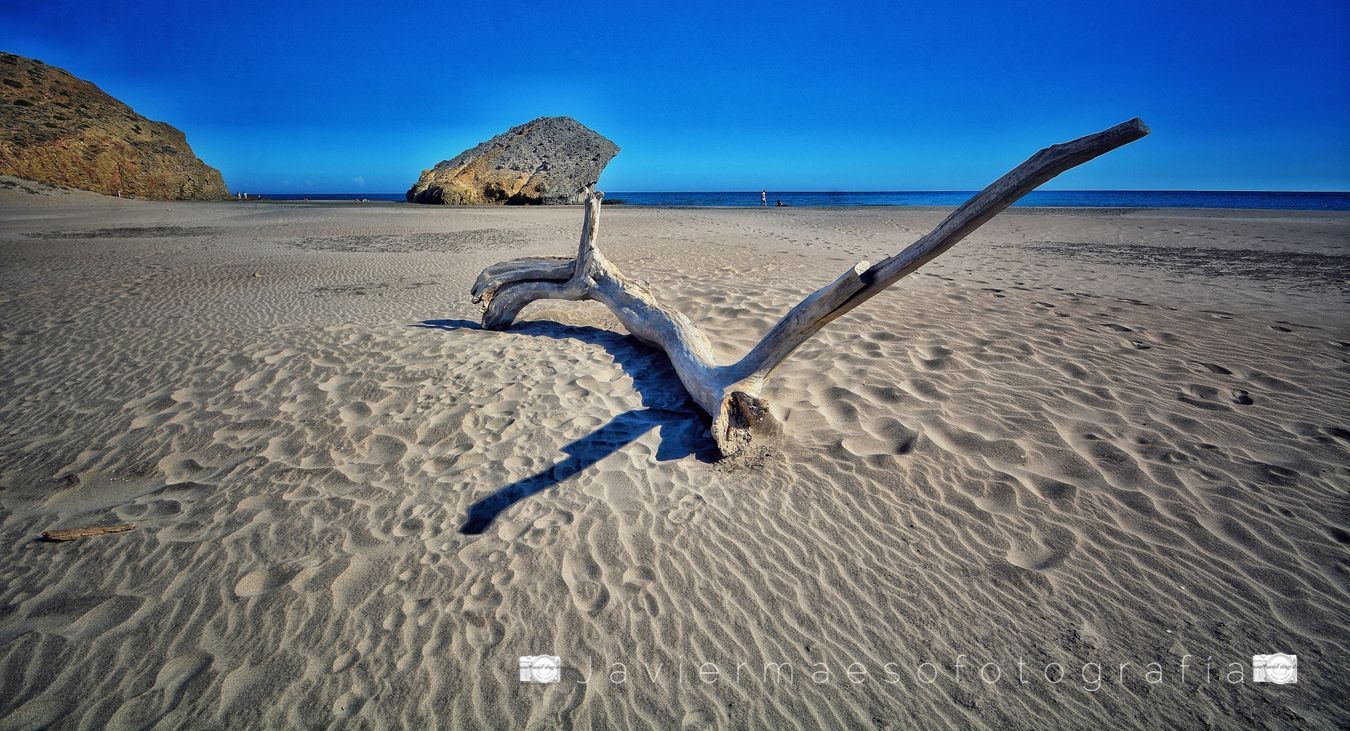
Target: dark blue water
1057	198
330	196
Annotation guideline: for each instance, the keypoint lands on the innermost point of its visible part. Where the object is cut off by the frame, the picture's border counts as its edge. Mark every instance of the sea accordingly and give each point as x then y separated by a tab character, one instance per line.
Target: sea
1287	201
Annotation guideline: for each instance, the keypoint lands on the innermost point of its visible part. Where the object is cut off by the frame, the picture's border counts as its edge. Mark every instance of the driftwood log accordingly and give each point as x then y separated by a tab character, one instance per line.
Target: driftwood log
729	392
71	534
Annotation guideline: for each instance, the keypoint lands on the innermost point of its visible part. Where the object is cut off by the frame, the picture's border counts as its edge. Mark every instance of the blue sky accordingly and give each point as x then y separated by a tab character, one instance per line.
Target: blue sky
289	97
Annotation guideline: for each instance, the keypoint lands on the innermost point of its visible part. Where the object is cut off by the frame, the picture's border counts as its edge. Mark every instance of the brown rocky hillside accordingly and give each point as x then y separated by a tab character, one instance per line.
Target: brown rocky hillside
58	129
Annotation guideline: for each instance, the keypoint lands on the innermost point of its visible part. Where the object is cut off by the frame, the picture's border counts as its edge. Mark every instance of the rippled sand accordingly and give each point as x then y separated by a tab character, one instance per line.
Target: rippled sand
1080	437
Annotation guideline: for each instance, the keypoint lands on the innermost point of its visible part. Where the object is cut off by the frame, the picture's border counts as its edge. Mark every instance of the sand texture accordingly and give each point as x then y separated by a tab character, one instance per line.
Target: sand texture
1081	436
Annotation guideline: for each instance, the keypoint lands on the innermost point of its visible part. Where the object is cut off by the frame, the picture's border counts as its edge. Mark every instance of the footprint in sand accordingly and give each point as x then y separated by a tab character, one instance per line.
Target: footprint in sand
689	508
178	671
1111	327
1052	547
934	358
545	529
248	434
261	581
1217	370
637	577
354	413
1052	489
1208	398
482	630
582	576
384	449
554	709
635	581
344	661
995	497
482	596
1024	582
347	705
483	555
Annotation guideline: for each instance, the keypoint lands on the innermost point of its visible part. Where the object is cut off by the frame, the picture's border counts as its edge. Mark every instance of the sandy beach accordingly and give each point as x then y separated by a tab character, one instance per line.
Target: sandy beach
1081	443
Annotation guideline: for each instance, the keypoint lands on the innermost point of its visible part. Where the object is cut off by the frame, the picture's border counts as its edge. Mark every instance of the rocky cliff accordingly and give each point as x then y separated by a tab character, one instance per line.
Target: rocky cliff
551	160
58	129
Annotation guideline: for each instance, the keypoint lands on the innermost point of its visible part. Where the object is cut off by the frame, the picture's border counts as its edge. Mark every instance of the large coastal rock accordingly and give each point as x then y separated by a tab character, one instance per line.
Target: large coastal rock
551	160
58	129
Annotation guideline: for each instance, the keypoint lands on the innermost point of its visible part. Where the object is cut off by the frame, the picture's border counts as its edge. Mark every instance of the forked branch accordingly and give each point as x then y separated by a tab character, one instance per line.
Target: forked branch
730	392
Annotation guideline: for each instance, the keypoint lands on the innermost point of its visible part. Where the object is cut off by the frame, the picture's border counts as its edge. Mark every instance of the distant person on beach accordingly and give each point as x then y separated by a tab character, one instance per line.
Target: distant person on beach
764	198
781	204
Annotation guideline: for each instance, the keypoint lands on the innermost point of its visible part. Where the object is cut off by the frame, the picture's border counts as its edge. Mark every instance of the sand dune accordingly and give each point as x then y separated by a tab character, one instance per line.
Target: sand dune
1080	437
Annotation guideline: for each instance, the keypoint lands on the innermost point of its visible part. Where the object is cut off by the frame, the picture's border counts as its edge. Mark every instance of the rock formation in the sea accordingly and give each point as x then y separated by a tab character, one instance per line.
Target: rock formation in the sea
551	160
58	129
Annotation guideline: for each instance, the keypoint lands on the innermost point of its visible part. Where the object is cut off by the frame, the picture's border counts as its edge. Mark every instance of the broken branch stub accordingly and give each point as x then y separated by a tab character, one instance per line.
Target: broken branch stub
730	392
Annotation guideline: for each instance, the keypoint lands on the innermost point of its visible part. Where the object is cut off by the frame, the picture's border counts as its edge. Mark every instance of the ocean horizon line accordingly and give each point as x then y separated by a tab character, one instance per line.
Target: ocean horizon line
1189	199
897	190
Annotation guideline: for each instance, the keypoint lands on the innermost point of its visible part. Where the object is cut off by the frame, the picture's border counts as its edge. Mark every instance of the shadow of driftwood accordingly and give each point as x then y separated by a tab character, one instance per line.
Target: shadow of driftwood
682	425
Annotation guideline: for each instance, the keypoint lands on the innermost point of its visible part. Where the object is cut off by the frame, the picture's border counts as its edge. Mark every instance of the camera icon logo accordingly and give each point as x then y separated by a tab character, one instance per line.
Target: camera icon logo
540	668
1277	668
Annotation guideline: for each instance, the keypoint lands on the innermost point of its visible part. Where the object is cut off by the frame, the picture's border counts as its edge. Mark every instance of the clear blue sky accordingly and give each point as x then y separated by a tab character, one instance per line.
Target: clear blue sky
283	97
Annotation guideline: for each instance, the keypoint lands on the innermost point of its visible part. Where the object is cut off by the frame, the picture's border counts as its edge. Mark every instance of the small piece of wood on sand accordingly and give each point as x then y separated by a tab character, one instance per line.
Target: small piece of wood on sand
70	534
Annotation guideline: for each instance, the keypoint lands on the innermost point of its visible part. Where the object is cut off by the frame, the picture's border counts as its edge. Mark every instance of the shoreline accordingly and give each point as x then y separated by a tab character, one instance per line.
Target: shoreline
1087	210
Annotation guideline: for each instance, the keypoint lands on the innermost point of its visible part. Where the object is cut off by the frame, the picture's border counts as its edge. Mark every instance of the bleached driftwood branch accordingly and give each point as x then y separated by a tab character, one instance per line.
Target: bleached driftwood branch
730	392
71	534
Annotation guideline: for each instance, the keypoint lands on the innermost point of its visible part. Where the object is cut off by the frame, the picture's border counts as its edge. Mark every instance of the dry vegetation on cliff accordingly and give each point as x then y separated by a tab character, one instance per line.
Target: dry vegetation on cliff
63	130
